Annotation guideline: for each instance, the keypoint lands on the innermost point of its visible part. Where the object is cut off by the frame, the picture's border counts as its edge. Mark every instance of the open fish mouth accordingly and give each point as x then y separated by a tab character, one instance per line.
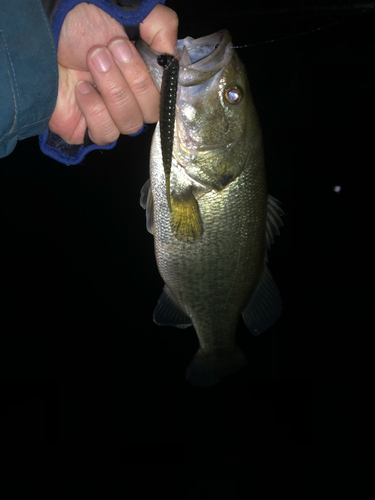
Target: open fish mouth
200	58
201	64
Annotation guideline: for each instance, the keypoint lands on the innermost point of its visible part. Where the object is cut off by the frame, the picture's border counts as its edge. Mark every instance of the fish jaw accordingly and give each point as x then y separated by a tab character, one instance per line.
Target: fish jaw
200	58
208	66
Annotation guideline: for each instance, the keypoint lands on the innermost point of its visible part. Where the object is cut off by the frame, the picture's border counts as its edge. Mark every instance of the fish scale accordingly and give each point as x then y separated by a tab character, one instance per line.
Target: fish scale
214	275
207	301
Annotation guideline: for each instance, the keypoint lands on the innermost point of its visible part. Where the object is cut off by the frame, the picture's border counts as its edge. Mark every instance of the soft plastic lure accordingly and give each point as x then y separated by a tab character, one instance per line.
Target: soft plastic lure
168	98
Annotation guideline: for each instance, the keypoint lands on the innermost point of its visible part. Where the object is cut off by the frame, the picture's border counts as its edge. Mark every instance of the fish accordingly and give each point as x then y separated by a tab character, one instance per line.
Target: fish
209	210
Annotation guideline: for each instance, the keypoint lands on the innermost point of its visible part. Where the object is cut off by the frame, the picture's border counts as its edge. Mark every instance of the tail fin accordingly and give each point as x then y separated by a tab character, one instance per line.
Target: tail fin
206	370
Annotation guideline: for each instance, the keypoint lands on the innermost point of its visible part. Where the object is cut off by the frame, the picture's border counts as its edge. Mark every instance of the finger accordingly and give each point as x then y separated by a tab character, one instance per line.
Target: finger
114	90
102	129
138	78
159	30
67	120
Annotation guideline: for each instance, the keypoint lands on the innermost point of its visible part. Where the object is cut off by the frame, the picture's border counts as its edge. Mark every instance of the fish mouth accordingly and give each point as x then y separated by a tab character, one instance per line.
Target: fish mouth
201	62
200	58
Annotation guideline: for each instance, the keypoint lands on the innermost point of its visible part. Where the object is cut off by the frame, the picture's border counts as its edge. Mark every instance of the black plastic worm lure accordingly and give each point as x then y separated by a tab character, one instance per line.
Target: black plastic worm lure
168	98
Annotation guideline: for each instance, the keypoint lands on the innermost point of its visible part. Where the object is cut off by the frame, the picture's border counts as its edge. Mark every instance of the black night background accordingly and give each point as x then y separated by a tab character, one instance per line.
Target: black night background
79	280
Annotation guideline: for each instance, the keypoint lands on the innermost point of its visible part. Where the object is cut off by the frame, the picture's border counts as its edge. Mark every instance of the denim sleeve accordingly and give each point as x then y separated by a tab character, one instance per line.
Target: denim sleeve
28	72
127	13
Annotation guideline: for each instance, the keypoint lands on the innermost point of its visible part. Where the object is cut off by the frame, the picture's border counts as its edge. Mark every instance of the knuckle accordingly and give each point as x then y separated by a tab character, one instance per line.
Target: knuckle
117	94
100	122
141	83
97	110
173	18
170	16
107	135
132	126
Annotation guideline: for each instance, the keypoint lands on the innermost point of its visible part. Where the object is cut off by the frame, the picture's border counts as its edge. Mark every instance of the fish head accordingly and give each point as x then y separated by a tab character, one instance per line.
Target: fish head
212	114
216	124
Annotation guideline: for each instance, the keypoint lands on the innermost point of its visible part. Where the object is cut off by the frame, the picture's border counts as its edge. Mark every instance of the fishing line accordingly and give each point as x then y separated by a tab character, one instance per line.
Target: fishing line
297	34
304	32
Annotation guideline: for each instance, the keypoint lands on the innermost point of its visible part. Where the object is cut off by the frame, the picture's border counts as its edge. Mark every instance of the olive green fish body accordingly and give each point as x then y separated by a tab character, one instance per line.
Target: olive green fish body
211	241
212	280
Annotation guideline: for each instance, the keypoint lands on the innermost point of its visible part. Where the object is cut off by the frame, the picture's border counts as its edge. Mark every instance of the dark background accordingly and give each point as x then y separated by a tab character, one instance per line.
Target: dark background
79	280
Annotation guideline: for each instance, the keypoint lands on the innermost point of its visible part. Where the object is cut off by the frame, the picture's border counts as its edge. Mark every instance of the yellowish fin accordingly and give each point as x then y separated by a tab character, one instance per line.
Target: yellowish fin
186	221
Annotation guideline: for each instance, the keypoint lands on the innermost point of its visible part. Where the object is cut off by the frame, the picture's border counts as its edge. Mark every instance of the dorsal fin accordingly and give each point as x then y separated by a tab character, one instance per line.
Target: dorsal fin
274	222
264	306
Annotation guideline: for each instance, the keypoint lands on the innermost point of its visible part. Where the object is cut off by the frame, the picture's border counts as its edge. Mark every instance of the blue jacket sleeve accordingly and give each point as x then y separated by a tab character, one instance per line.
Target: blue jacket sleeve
28	72
129	15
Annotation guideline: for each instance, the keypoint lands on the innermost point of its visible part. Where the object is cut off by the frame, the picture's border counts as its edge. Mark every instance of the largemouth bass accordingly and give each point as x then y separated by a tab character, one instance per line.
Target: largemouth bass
209	211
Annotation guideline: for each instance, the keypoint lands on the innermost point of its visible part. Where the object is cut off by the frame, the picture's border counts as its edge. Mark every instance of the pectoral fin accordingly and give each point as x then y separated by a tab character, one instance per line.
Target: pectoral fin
186	221
147	202
168	313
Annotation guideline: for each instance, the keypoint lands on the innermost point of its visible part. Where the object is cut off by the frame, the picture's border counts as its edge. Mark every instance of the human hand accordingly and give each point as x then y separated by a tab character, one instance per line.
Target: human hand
89	52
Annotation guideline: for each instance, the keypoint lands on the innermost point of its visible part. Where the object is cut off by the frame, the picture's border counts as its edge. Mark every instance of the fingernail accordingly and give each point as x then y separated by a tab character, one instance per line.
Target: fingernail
83	87
101	61
121	51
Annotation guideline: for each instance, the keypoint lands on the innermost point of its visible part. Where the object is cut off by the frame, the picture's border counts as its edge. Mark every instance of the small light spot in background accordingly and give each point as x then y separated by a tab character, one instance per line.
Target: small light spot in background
337	189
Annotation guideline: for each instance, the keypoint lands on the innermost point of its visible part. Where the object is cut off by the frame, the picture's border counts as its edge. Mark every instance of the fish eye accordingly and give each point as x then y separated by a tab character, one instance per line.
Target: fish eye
233	94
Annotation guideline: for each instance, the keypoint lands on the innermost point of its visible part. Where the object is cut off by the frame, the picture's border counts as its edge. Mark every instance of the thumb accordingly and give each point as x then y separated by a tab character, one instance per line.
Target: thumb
159	29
